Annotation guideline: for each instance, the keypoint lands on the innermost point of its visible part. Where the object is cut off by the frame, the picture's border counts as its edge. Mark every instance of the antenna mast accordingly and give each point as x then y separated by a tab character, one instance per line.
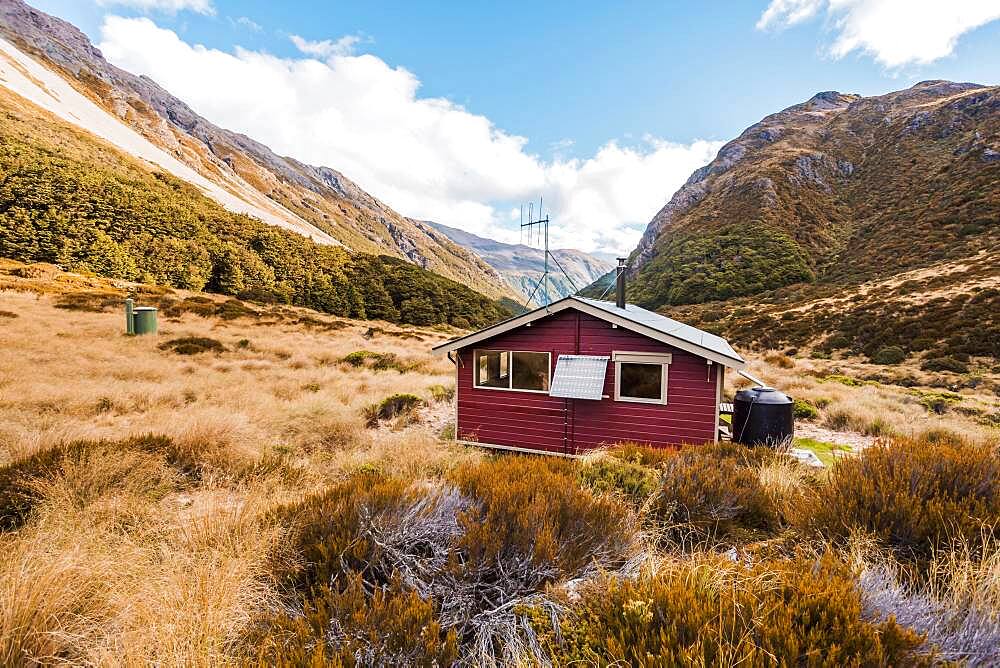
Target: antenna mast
541	226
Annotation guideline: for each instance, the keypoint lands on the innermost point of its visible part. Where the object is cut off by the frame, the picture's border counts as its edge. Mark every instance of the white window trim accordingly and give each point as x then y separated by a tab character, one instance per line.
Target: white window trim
663	359
510	369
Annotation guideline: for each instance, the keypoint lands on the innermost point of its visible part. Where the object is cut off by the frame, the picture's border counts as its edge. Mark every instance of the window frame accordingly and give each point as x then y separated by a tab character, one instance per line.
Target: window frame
510	369
662	360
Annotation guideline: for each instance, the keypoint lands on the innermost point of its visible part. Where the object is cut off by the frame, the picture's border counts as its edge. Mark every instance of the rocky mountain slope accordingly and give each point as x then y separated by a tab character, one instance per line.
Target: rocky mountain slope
75	200
522	266
244	175
840	189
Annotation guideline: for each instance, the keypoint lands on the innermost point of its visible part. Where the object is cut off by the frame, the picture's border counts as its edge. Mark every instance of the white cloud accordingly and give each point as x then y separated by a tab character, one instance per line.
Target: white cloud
894	32
168	6
327	48
427	157
788	12
248	23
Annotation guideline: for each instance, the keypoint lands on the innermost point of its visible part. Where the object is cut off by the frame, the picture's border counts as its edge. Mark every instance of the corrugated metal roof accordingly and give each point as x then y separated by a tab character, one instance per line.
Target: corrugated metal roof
665	325
579	377
639	319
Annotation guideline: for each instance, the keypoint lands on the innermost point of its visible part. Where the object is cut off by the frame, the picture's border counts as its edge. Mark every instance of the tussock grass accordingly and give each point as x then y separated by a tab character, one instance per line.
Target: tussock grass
844	399
234	509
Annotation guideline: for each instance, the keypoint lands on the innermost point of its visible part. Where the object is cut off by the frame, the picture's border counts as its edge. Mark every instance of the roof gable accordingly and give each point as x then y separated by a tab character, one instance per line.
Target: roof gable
634	318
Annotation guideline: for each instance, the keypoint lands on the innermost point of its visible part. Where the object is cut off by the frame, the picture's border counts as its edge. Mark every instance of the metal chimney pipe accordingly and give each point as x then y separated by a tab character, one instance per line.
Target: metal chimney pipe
620	283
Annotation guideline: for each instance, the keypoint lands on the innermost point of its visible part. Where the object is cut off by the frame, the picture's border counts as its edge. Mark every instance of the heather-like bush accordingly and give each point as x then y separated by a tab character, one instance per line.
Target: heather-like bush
612	475
374	360
643	455
329	526
349	627
914	496
456	555
531	510
193	345
804	410
391	407
889	355
945	363
715	491
804	612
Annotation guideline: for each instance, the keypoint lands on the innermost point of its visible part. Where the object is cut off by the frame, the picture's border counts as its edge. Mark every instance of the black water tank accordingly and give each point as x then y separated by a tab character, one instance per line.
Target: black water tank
762	416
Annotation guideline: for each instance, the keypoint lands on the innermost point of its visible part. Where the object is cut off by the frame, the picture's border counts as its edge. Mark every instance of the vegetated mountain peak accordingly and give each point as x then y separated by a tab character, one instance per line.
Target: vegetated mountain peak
838	188
522	266
303	195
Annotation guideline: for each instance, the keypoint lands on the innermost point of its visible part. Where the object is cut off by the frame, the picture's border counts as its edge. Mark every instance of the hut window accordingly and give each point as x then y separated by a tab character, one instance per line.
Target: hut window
641	377
513	370
530	371
492	368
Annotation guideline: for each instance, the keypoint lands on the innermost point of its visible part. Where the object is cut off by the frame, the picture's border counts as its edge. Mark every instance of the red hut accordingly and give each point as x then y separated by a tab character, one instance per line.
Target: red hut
581	373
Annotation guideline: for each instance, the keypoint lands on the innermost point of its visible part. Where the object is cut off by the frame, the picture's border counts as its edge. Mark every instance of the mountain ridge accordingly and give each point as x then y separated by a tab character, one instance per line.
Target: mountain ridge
838	188
322	197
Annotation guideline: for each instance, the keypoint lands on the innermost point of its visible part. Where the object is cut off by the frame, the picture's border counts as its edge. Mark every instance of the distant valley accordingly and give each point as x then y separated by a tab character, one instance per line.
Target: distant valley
521	266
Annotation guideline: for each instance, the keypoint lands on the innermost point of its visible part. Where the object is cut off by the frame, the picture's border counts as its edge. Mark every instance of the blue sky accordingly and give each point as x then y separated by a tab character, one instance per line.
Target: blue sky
633	94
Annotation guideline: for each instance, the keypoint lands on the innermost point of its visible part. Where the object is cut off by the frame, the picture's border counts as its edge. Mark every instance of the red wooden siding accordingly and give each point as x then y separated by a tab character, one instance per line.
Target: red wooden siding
540	422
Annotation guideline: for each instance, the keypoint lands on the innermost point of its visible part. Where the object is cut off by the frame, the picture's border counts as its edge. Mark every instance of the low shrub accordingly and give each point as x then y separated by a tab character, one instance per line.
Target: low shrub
714	491
804	410
441	393
609	474
644	455
94	302
878	427
392	407
843	380
801	612
231	309
348	627
945	363
7	314
449	556
532	512
889	355
938	402
836	342
193	345
376	361
915	496
779	360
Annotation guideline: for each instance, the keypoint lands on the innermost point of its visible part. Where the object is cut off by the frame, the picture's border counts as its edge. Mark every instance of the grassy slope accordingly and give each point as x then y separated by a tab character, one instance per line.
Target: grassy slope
71	199
356	219
132	557
885	184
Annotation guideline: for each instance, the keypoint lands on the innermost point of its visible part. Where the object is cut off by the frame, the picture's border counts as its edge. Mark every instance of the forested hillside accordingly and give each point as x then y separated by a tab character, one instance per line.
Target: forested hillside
318	201
73	200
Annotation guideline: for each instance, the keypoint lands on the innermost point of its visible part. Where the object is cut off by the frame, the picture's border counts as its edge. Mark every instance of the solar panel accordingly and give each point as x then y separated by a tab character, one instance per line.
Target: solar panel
579	377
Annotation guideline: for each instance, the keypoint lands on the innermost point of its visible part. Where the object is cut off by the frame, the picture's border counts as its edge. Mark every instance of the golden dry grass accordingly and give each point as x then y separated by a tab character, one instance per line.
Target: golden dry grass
870	407
126	561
